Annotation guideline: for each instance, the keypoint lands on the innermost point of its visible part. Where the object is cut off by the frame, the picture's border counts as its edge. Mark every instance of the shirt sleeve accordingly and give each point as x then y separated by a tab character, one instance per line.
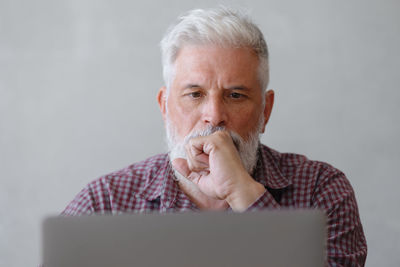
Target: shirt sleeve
94	198
265	201
346	244
82	204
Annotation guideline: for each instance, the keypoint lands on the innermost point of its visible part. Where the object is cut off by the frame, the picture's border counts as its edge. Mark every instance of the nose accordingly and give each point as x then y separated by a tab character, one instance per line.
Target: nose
215	111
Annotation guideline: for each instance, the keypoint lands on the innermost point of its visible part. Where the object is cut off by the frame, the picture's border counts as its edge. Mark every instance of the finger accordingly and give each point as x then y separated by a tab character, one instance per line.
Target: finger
181	166
196	161
198	148
194	177
189	180
194	194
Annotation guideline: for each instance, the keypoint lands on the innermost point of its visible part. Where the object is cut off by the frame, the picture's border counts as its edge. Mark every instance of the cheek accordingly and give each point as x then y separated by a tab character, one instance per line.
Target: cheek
184	118
246	120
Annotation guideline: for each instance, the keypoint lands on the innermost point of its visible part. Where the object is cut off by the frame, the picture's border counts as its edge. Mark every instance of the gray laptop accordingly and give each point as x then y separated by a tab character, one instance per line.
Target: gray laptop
268	238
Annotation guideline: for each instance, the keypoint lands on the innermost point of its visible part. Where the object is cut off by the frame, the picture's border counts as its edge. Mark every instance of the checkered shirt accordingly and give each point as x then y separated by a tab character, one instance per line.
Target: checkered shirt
291	180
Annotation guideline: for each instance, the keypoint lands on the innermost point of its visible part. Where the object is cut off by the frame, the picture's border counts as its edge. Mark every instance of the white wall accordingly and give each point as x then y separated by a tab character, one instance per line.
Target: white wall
78	81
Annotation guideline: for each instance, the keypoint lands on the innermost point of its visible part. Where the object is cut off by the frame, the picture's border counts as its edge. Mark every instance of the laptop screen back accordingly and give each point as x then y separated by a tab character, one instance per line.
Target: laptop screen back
268	238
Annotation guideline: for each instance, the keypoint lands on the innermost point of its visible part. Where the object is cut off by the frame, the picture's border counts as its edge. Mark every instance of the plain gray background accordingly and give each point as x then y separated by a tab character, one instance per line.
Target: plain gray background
78	81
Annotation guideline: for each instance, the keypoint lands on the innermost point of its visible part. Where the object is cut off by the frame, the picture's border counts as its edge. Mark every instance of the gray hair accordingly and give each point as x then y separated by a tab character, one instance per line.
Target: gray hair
218	26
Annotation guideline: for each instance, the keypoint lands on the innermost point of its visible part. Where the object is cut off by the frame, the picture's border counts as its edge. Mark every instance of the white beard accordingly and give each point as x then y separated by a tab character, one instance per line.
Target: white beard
247	148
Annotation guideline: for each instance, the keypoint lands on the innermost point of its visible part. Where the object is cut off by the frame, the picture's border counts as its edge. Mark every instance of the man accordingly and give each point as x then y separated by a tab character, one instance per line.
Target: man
215	106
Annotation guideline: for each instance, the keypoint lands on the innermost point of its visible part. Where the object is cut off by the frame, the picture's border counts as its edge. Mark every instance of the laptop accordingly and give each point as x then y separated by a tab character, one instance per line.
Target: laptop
265	238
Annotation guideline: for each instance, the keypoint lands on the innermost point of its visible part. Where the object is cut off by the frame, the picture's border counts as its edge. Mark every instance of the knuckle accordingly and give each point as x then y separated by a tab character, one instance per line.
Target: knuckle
221	135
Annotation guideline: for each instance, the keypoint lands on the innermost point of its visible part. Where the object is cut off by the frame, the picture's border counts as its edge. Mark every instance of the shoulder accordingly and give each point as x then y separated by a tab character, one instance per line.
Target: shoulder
134	177
115	191
318	183
295	166
316	179
139	173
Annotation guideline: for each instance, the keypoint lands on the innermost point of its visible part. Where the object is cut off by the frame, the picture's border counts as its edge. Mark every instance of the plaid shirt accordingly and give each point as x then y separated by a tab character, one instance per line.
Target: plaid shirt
291	180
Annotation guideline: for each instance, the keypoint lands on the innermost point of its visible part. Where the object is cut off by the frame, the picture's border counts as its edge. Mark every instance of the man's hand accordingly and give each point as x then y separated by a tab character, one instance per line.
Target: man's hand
214	165
201	200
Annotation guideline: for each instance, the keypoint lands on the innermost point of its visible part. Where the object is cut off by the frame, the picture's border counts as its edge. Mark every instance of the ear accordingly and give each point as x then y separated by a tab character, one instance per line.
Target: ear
269	103
162	101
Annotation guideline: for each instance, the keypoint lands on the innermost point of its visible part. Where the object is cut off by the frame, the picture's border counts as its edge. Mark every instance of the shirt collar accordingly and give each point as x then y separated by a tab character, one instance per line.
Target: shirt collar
161	184
156	180
268	171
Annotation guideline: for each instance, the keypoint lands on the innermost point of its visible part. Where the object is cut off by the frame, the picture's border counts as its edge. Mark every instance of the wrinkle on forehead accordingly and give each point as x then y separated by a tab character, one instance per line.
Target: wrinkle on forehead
228	67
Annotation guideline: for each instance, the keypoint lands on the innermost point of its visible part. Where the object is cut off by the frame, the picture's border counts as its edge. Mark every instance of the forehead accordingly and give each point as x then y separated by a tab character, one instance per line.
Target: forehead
216	63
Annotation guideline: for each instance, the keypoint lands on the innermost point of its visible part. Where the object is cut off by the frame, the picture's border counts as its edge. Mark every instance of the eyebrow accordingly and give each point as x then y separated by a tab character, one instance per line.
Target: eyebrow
238	87
234	87
190	85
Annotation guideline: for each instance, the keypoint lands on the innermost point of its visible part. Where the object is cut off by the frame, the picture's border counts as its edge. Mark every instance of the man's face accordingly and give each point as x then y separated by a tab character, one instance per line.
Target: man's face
215	86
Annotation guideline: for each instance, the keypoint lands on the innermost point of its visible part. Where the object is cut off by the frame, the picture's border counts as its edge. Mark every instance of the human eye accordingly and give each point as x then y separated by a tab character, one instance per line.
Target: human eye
195	94
236	95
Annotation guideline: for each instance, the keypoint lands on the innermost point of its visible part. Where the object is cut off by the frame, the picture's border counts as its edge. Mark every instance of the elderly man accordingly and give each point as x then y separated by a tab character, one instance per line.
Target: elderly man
215	106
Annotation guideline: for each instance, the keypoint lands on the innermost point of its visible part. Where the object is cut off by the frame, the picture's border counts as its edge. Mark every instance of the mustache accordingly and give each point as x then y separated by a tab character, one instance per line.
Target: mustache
209	130
246	146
